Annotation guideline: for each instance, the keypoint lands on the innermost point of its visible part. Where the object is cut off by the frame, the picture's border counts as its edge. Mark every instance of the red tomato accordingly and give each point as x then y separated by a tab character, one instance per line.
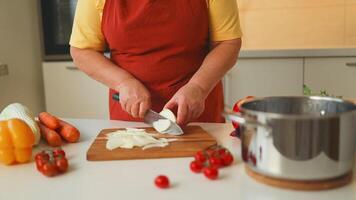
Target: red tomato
216	162
62	164
42	156
49	169
222	151
59	152
196	166
39	164
211	173
227	159
211	152
162	181
200	157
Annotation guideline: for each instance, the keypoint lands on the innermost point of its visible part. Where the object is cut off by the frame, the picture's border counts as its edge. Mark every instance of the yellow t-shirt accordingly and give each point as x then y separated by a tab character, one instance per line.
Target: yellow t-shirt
86	33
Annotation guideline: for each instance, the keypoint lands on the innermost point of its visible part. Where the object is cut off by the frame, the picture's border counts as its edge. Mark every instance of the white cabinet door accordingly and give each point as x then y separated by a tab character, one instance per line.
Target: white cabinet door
336	75
71	93
264	77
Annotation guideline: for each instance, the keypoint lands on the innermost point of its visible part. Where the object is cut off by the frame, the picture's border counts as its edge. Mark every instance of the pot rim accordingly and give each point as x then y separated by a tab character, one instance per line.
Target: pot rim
245	111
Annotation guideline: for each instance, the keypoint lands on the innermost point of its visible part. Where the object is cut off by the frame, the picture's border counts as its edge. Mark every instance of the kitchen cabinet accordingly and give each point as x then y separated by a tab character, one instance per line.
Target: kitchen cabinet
350	23
71	93
263	77
336	75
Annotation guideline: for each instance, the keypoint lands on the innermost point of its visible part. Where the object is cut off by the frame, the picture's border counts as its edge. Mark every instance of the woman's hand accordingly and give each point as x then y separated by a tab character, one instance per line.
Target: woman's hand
190	100
135	99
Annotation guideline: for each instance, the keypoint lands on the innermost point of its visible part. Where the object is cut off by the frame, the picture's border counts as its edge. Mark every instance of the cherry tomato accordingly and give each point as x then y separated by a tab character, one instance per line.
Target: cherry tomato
216	162
59	152
62	164
222	151
39	164
196	166
211	173
227	159
49	169
42	156
211	152
200	157
162	181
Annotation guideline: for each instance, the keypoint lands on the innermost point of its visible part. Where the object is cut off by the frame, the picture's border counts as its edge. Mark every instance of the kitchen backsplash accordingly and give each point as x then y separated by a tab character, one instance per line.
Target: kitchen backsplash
295	24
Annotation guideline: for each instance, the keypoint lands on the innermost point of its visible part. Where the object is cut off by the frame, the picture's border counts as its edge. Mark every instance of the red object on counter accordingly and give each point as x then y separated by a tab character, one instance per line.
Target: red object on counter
162	181
50	163
211	173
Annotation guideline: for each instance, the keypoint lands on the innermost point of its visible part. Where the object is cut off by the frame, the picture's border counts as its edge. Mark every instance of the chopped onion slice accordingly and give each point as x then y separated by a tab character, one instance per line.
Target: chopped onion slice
161	125
130	138
168	114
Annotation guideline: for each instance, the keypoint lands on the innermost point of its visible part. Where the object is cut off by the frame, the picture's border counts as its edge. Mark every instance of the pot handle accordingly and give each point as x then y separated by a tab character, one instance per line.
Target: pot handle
237	117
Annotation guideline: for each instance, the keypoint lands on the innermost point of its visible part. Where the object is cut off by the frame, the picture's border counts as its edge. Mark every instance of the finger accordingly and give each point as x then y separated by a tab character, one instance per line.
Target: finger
127	108
135	108
171	104
144	106
182	113
123	105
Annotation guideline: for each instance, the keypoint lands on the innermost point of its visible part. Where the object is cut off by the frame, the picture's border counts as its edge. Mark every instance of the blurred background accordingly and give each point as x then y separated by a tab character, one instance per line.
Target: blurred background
286	43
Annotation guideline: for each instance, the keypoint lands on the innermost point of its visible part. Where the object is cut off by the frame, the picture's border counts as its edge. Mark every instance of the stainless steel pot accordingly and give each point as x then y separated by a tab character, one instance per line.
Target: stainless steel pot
298	138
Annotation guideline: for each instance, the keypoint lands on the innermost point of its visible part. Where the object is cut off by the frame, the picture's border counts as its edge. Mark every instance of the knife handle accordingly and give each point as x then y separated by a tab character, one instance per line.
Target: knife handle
116	96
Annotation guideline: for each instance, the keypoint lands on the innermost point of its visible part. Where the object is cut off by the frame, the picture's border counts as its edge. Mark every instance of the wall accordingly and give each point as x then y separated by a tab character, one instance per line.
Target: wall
294	24
20	50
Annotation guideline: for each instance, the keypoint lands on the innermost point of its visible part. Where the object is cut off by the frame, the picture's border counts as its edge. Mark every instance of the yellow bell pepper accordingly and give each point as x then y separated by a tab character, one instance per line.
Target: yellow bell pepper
16	141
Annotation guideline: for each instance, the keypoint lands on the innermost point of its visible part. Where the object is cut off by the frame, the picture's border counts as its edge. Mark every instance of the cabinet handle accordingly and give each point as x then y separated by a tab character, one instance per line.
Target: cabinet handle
72	68
351	64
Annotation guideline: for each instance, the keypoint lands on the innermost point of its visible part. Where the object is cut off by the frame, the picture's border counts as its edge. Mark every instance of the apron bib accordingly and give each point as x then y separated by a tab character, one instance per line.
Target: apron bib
162	43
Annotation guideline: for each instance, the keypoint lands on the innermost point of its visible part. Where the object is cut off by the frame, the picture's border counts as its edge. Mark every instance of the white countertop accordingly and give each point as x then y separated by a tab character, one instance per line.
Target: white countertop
123	180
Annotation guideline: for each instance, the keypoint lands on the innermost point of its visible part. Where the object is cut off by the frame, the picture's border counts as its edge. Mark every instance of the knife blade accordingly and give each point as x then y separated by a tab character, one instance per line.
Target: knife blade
152	116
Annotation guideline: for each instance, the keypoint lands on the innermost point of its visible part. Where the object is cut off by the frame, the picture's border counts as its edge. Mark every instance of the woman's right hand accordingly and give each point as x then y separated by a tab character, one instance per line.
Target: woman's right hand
135	99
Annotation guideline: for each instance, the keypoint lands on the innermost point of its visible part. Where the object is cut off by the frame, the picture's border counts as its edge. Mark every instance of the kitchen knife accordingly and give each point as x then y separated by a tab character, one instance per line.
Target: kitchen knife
152	116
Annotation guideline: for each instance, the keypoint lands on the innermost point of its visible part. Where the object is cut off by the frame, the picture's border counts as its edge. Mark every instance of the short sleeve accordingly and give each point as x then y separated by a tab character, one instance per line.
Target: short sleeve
86	32
224	20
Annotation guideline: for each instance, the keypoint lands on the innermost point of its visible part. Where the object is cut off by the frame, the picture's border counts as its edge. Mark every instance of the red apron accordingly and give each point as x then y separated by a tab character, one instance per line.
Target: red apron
162	44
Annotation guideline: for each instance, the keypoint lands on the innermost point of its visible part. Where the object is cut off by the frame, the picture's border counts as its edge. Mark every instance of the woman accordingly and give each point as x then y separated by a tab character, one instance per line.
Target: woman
164	53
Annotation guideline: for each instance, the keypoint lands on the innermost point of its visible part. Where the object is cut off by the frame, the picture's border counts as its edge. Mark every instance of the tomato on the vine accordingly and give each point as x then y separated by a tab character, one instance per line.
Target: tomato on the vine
49	169
51	163
200	157
196	166
215	162
211	173
59	152
222	151
62	164
42	156
227	159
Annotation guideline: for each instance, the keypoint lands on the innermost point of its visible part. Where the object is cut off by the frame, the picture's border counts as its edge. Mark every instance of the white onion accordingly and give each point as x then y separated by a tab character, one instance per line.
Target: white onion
130	138
168	114
161	125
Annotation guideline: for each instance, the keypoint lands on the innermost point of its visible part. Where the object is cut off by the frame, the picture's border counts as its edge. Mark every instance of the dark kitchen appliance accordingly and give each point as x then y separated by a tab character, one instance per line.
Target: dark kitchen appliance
56	20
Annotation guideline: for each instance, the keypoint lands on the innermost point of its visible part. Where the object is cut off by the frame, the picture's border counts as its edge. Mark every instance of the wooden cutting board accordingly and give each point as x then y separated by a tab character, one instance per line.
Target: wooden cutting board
194	139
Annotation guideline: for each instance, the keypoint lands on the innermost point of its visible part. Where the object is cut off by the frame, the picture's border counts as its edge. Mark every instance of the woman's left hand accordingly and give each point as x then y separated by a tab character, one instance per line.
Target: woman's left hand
190	100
